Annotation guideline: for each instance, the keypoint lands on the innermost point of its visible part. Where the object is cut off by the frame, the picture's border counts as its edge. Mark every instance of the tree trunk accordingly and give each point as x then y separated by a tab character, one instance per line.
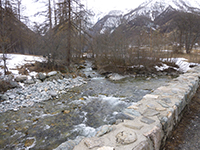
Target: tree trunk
69	34
187	44
180	42
55	13
2	37
50	16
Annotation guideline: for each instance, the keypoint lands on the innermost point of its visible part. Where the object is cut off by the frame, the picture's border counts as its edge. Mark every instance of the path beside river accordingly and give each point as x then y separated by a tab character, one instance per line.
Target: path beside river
186	135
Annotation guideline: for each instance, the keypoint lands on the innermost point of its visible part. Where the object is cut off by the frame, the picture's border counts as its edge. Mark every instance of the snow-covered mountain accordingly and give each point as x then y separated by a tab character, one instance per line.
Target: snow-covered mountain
153	9
107	23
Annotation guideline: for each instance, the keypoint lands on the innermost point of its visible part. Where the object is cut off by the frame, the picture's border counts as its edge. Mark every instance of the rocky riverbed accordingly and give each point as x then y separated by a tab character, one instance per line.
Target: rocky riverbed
27	95
51	109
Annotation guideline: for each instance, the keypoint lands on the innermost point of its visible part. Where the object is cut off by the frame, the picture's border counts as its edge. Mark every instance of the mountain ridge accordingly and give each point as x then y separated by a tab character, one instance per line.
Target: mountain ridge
151	8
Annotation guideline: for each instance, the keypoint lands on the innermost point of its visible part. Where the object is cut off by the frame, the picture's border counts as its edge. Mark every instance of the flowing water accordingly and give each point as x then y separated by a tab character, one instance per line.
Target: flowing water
80	112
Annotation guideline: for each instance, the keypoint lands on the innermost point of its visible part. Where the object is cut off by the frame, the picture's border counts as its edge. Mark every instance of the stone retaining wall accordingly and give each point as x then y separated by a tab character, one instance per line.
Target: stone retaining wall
154	118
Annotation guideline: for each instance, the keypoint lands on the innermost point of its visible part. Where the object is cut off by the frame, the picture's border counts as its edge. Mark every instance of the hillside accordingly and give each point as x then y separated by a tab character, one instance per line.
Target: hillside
158	11
16	36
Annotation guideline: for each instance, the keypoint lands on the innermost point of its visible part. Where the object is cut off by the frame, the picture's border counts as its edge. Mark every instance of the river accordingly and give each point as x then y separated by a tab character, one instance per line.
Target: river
79	112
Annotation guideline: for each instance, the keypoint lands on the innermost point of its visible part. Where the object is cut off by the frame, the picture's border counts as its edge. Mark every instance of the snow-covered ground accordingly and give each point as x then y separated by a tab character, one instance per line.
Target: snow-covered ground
184	66
18	60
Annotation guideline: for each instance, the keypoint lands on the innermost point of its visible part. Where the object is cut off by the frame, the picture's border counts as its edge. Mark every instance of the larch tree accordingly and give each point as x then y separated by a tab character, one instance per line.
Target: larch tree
188	25
2	36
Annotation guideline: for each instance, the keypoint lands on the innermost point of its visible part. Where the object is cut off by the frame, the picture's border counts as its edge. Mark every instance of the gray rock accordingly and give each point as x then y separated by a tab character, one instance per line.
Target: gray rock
62	87
106	148
52	73
14	84
37	81
148	79
92	143
125	137
12	96
131	125
30	81
105	129
144	145
122	116
63	92
69	145
10	76
53	93
41	76
60	81
163	104
81	67
21	78
150	112
4	97
147	120
115	77
167	100
132	112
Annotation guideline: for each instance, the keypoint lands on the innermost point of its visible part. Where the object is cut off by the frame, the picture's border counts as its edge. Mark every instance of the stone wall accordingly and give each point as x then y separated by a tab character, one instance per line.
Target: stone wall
154	118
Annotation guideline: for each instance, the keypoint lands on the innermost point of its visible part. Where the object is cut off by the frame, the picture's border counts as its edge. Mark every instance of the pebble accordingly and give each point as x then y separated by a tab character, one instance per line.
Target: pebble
52	93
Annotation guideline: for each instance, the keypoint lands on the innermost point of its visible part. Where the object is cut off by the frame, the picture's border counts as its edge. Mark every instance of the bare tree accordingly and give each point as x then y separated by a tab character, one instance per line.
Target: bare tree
188	25
2	38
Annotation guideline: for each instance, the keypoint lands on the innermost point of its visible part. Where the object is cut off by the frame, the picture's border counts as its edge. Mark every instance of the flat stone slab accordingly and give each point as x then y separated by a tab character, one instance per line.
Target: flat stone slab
131	125
106	148
147	120
125	137
150	112
91	143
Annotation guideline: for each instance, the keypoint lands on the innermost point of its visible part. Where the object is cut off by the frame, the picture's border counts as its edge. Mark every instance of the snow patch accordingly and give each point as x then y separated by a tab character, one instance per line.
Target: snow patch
18	60
183	64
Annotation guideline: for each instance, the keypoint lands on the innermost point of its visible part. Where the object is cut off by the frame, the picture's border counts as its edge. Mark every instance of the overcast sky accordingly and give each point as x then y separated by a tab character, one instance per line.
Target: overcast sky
108	5
98	6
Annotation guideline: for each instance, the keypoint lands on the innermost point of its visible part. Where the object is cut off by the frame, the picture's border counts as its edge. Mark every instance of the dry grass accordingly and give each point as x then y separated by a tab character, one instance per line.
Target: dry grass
137	57
192	57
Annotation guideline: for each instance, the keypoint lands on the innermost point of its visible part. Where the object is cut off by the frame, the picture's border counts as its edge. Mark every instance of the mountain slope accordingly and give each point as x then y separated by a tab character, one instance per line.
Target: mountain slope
154	8
159	11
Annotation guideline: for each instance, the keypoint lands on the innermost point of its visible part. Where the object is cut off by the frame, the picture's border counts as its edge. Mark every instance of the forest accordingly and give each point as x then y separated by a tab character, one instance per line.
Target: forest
118	43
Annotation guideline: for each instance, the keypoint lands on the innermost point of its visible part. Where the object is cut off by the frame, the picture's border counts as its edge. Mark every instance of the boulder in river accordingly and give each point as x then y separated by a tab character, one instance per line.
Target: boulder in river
21	78
41	76
52	73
